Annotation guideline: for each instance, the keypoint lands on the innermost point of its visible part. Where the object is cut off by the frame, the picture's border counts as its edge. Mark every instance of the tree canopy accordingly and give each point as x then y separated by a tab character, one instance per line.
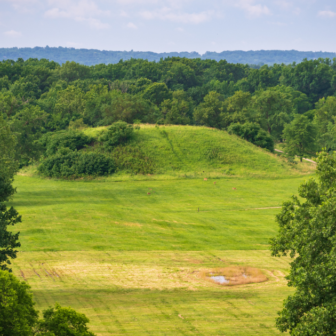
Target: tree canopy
300	136
307	233
8	164
18	315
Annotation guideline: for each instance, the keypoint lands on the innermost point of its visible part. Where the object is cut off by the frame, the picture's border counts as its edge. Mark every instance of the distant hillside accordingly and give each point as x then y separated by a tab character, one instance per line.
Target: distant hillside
93	56
267	56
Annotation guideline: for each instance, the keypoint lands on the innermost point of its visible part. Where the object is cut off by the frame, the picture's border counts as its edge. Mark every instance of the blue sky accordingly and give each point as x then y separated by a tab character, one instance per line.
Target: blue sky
170	25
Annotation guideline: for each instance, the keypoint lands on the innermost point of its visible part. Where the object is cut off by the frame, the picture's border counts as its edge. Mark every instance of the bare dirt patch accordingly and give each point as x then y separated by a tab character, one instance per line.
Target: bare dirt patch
167	221
24	174
233	276
278	207
23	275
194	261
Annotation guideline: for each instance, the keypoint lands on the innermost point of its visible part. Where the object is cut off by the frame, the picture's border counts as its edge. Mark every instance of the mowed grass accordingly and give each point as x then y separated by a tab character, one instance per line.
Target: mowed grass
130	251
188	215
130	261
158	292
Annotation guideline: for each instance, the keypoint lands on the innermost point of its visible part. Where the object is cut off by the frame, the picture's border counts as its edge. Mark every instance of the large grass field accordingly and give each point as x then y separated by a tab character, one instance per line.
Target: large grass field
128	250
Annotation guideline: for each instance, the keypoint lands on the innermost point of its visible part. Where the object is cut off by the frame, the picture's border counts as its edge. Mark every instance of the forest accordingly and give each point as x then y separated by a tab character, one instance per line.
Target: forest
290	104
95	56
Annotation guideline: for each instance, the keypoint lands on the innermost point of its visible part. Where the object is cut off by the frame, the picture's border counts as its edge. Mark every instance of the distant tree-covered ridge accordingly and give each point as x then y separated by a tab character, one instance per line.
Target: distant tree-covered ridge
94	56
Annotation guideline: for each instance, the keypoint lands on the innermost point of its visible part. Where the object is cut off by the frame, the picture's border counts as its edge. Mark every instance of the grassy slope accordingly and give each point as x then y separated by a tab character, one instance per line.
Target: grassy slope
130	260
190	151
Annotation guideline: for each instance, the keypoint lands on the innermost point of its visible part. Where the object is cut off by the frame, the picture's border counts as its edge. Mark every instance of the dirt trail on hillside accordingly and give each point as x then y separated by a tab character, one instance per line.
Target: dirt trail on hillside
280	151
278	207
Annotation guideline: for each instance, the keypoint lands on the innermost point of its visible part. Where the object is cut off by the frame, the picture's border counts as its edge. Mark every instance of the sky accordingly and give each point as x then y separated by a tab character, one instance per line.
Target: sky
170	25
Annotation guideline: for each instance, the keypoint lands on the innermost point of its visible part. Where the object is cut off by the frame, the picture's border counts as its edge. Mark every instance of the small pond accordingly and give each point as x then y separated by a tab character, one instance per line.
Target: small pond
220	279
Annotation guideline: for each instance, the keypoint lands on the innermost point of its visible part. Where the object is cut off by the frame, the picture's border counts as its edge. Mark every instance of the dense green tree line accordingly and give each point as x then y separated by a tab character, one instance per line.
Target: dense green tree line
40	96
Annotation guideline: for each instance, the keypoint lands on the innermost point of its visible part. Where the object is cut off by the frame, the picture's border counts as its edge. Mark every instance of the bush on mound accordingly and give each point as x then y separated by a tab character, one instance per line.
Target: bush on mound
118	133
71	139
252	132
77	164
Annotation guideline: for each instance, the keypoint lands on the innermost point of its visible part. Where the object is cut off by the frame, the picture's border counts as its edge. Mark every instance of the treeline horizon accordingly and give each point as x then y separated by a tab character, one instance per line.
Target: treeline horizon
95	56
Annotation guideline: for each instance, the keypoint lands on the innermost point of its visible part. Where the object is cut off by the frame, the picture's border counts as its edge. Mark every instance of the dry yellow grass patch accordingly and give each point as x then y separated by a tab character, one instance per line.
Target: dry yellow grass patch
160	270
235	275
108	275
129	224
120	275
193	261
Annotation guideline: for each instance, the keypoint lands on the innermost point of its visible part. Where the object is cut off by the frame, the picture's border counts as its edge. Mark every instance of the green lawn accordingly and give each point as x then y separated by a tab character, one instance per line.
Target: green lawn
130	260
110	216
129	250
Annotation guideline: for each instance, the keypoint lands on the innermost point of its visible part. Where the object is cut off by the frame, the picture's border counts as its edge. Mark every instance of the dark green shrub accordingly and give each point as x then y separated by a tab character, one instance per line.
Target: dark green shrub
118	133
77	164
71	139
252	132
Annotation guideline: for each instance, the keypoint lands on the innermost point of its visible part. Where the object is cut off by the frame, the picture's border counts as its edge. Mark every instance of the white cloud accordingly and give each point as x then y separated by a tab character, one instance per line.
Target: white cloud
171	3
297	11
278	23
81	11
82	8
12	33
137	2
22	2
23	5
132	25
170	15
327	13
284	4
252	8
55	13
94	23
123	14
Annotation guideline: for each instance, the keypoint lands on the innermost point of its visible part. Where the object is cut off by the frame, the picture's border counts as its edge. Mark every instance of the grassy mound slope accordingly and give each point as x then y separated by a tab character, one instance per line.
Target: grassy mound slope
190	151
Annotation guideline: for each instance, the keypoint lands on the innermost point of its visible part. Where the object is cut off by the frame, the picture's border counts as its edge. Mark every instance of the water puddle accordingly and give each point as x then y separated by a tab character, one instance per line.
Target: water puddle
233	275
220	279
